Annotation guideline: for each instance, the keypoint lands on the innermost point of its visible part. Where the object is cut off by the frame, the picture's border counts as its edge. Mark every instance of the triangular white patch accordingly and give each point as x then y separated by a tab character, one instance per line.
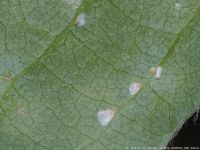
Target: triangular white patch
135	88
105	116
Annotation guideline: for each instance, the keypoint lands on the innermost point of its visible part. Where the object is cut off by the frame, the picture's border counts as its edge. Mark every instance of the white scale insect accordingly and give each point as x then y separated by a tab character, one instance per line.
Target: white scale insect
156	72
80	20
135	88
105	116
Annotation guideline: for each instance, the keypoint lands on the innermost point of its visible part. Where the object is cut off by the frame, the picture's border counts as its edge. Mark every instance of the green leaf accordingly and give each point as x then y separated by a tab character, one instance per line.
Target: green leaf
55	76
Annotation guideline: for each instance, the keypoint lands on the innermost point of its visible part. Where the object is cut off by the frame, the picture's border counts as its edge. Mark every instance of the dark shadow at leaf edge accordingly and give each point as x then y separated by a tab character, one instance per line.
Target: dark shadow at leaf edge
188	135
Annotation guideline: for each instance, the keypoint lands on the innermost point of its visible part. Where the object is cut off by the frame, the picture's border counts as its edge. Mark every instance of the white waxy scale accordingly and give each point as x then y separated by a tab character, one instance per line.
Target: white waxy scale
178	6
135	88
158	72
105	116
80	20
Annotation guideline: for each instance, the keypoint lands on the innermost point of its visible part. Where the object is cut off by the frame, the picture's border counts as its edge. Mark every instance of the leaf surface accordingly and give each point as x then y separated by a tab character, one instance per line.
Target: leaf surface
55	76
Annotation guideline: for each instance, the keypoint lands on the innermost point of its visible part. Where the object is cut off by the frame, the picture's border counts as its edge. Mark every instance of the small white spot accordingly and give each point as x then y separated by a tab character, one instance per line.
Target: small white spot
178	6
135	88
80	20
105	116
158	72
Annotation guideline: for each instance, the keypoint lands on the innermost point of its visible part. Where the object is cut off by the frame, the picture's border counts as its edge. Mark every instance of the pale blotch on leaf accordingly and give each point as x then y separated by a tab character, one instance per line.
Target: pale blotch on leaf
7	78
178	6
135	88
152	71
105	116
158	72
80	20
